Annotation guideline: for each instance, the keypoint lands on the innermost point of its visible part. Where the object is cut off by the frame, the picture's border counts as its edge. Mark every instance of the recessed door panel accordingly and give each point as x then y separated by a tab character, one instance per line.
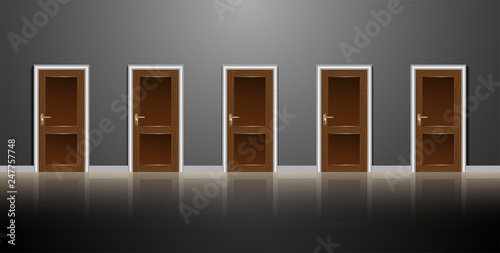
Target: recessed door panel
344	95
156	149
61	120
155	120
343	149
250	120
250	101
438	120
439	101
443	152
60	146
343	101
250	149
155	98
61	101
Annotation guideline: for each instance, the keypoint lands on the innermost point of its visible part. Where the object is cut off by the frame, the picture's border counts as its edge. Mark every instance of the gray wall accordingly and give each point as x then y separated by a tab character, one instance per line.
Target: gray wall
296	35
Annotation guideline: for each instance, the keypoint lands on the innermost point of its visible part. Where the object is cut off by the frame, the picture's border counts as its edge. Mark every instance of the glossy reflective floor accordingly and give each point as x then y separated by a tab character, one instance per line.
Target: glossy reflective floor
256	212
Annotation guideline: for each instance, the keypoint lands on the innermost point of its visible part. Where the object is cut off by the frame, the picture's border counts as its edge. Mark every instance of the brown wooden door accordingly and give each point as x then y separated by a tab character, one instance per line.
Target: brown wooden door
438	120
61	120
156	120
250	120
344	120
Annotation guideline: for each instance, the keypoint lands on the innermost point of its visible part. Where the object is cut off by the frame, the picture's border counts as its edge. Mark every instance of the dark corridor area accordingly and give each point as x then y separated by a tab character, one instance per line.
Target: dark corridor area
255	212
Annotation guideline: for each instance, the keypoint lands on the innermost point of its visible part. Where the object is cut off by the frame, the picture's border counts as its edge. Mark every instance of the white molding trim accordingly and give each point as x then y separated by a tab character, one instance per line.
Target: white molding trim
108	168
368	68
19	168
483	168
36	69
414	68
297	168
391	168
131	68
274	68
208	168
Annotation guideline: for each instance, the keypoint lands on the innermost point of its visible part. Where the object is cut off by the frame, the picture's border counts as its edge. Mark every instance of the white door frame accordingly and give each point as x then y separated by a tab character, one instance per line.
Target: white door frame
368	68
414	68
131	69
225	68
36	69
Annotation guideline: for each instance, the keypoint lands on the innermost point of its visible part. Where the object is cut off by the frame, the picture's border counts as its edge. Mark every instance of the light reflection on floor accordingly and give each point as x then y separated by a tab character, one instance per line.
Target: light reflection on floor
317	201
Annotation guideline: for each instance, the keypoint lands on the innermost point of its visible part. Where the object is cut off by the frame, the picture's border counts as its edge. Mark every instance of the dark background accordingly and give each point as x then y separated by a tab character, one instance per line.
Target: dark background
296	35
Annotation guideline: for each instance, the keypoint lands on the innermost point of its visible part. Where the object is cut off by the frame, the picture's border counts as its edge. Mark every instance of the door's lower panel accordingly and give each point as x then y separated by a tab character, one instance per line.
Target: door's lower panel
250	153
343	149
61	149
438	153
155	152
156	168
344	152
438	149
63	153
250	149
61	168
234	167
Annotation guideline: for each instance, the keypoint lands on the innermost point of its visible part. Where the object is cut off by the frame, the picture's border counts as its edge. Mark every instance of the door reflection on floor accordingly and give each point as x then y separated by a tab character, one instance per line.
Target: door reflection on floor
155	195
329	196
61	195
426	211
344	196
438	196
250	196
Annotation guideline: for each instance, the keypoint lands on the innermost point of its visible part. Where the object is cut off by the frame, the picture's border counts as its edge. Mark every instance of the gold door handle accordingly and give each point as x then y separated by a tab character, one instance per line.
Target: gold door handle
137	117
42	118
231	117
325	117
419	118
